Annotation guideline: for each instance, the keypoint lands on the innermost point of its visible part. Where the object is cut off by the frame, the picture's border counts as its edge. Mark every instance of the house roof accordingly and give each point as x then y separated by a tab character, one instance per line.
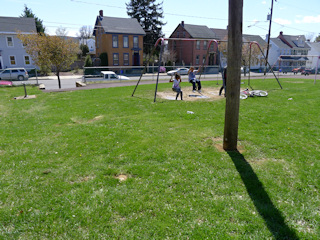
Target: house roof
119	25
254	38
315	45
16	24
279	43
199	31
298	41
221	34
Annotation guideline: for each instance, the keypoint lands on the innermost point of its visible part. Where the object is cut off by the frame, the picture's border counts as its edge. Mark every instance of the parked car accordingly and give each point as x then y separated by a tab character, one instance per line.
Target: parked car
308	71
244	68
109	75
162	69
181	71
296	70
14	74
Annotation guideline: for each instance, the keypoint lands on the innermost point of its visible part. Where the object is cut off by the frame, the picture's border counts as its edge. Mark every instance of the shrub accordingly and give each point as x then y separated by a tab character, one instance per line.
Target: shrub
88	61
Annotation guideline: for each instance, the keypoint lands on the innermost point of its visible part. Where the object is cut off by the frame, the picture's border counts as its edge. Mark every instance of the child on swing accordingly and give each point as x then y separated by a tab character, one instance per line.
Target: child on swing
194	80
176	85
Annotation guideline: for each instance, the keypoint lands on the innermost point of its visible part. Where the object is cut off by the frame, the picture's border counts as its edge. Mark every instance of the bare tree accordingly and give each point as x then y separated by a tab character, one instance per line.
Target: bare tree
169	55
61	31
85	33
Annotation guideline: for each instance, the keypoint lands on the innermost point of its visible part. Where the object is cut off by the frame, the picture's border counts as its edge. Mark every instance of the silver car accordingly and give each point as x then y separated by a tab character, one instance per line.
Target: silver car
180	71
14	74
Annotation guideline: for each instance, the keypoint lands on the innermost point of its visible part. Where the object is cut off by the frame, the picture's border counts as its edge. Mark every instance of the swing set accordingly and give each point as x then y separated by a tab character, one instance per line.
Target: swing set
162	41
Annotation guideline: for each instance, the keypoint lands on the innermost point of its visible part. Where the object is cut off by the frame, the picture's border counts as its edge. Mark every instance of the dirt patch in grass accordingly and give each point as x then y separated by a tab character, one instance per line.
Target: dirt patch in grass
294	82
121	177
82	121
189	95
218	144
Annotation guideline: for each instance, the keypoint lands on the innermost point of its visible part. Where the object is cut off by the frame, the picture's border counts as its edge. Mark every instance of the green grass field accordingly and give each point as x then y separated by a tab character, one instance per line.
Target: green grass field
100	164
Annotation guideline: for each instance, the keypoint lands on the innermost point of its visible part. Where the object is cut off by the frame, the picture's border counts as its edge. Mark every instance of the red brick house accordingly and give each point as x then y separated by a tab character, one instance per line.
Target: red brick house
193	52
120	38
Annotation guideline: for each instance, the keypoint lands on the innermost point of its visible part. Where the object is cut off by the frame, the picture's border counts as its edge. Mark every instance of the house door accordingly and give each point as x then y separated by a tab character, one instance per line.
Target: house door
211	59
0	62
136	59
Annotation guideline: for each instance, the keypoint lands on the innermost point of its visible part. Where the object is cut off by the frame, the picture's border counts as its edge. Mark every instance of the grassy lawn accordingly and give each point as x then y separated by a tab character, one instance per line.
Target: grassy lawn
100	164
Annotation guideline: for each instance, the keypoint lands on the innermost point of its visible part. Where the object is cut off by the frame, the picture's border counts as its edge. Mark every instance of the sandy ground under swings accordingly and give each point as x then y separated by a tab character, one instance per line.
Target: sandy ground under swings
188	95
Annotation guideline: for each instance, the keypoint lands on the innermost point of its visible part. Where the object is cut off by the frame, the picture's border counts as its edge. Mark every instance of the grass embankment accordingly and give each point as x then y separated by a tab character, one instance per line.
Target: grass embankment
100	164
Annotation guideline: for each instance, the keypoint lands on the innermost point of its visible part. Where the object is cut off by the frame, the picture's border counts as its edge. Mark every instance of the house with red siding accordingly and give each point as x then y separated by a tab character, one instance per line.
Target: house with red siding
193	53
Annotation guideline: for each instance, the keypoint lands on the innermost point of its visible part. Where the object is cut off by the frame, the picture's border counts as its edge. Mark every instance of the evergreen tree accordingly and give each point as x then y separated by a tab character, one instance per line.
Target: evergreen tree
84	50
88	61
149	15
317	39
27	12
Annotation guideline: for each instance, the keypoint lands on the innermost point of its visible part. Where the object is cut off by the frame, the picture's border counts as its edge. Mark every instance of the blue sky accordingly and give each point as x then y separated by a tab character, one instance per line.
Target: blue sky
290	16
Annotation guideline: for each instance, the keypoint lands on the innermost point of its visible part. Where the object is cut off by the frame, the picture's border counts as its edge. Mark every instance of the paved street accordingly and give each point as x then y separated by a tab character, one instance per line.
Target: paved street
69	82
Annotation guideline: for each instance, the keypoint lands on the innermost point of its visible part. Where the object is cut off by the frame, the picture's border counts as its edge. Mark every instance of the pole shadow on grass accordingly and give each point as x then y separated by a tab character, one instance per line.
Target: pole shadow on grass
267	210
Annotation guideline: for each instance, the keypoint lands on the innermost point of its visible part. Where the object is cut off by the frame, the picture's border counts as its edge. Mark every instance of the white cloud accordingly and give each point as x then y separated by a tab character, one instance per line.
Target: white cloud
311	19
264	2
282	21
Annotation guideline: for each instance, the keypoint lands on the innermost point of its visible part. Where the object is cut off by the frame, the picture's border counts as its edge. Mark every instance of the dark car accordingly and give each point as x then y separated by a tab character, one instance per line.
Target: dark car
308	71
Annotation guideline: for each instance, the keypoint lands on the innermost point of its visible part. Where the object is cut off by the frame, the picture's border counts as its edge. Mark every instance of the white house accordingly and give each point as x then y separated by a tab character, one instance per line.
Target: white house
91	43
314	51
277	48
12	52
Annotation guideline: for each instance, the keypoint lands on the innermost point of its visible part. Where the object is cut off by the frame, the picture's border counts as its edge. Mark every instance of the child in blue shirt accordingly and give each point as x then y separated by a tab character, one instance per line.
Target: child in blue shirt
194	80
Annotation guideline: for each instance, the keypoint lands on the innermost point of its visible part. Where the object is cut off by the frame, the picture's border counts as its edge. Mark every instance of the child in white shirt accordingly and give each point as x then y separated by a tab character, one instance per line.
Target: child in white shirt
176	85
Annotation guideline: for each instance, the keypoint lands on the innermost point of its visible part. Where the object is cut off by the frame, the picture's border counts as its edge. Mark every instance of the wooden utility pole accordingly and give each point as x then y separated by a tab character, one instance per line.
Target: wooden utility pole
270	21
233	75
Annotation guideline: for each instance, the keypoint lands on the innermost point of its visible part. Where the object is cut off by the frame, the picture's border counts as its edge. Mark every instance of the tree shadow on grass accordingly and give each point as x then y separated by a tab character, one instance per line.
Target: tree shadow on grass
267	210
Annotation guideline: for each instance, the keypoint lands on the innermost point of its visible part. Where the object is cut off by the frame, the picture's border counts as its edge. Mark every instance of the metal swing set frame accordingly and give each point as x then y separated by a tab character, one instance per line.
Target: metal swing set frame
162	40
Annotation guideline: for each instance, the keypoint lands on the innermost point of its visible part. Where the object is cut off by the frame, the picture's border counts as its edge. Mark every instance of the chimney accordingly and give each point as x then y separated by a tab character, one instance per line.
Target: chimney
101	13
182	23
281	33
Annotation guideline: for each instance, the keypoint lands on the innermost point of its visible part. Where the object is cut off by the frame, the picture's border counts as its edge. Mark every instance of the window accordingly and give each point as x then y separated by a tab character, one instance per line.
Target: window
125	41
9	41
204	59
26	60
205	45
198	44
12	60
116	59
197	59
135	42
178	34
126	59
115	41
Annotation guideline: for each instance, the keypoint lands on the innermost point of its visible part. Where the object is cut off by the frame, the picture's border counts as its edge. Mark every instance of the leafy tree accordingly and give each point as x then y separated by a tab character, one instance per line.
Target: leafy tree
317	39
88	61
104	59
149	15
27	12
51	52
